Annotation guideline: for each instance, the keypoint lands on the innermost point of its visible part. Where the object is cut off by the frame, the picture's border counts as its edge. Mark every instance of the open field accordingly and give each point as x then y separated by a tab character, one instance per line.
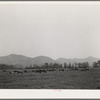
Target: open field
70	79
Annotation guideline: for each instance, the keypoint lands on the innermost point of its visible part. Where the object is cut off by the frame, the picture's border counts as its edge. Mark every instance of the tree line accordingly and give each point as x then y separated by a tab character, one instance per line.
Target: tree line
70	66
65	66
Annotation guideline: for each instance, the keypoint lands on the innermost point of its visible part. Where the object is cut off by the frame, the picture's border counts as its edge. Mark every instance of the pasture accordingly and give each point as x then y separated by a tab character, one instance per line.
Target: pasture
71	79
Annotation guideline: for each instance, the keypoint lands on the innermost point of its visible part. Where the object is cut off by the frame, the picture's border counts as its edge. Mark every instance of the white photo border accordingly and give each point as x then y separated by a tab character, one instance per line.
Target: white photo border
49	93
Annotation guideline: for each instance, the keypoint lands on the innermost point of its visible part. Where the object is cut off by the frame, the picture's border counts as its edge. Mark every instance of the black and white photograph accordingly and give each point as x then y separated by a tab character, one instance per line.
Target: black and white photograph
50	45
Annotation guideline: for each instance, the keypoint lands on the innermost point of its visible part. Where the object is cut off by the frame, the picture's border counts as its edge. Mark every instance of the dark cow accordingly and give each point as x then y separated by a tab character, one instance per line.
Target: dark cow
41	70
25	71
85	69
33	70
4	70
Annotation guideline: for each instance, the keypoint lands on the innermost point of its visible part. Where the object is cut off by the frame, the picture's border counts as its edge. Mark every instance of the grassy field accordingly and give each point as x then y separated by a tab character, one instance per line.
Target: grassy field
51	80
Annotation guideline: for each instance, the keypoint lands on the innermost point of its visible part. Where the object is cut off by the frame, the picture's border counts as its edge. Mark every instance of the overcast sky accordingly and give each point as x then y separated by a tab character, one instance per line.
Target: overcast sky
69	30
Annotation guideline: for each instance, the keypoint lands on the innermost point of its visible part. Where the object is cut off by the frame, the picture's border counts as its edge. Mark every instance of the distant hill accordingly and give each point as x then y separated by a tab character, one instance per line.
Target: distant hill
23	61
14	59
40	60
90	60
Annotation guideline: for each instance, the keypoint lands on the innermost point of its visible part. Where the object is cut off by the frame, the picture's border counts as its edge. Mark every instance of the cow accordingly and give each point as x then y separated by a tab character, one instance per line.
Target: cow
4	70
25	71
41	70
16	71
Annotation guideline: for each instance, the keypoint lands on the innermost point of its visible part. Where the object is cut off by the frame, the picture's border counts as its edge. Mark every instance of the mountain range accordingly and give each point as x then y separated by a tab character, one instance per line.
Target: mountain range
23	61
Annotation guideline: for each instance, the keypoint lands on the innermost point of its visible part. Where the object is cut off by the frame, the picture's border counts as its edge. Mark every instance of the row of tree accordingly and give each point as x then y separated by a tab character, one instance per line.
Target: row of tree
5	66
96	64
84	65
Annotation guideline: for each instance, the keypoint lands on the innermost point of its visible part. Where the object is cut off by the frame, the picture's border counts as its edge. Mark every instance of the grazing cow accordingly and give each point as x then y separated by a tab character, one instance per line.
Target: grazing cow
25	71
38	71
33	70
44	71
66	69
41	70
19	71
4	70
84	69
16	71
11	72
61	69
76	68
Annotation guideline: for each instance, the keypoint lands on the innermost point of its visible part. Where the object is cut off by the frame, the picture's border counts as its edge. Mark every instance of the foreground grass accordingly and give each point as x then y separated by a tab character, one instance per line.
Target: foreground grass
51	80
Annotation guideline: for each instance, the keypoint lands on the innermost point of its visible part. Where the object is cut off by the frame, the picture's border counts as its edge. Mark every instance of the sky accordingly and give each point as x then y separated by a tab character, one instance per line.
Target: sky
54	29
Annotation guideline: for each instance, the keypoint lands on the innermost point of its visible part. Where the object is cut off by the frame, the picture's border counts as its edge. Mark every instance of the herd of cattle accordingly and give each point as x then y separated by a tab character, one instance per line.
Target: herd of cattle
33	70
40	70
26	71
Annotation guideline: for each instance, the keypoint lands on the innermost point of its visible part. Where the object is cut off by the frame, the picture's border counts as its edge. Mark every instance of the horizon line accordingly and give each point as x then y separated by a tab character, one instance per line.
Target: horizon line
49	57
